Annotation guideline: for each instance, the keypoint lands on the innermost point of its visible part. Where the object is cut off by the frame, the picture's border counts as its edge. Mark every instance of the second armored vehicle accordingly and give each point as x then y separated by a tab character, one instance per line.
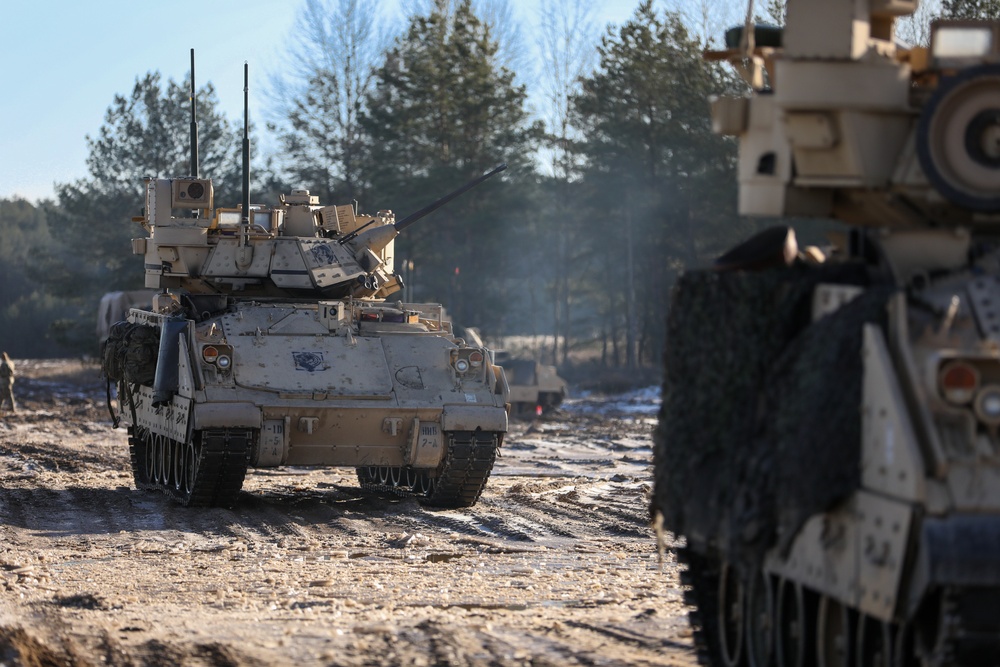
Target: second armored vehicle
829	442
535	388
274	343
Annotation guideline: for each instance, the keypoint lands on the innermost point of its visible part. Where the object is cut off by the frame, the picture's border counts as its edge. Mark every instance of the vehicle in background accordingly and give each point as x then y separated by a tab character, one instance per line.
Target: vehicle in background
114	307
535	388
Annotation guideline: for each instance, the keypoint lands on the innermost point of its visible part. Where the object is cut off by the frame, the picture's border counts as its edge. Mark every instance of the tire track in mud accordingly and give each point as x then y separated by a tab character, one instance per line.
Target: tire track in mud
51	457
67	648
551	517
574	511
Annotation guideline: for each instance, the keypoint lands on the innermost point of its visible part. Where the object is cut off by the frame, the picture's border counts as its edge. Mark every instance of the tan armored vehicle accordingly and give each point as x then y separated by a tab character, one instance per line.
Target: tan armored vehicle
274	342
535	388
114	307
829	441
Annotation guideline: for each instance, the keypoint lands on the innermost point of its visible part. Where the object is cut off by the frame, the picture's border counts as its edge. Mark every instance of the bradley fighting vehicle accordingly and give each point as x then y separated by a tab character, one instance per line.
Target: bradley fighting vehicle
829	441
274	342
535	388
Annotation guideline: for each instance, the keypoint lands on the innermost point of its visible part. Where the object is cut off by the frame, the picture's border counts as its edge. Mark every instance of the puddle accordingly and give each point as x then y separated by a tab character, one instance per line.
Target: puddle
443	558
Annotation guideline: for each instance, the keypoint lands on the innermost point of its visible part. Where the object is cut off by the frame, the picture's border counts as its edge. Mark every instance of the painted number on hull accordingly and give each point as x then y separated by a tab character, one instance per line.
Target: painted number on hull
430	435
272	443
426	446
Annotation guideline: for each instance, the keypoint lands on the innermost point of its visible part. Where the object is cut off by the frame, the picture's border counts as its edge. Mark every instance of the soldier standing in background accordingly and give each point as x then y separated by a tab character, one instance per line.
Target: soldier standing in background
7	383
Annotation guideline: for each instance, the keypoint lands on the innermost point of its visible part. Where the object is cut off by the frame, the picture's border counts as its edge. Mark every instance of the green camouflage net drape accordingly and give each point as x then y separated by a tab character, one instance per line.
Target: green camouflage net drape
760	425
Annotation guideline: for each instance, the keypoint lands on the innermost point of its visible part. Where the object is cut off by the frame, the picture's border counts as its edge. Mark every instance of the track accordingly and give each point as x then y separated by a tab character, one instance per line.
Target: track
458	482
206	472
555	564
959	627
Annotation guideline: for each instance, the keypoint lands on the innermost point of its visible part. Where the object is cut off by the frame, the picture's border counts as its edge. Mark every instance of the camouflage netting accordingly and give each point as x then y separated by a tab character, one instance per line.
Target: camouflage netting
760	425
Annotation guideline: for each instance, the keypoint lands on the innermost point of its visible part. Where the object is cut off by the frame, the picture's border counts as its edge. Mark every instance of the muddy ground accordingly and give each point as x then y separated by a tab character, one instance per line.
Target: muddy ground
556	565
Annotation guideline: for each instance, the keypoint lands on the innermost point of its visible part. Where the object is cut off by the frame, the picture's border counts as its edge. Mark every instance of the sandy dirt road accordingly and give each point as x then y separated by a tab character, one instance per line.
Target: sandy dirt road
556	565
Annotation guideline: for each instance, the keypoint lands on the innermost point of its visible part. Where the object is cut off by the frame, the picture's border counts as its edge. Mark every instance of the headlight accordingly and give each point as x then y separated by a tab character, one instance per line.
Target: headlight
987	405
461	365
218	355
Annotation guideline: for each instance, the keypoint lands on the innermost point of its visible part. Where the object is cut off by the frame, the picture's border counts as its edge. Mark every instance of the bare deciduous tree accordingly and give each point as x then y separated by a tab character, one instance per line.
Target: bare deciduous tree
708	19
335	47
499	17
567	39
916	29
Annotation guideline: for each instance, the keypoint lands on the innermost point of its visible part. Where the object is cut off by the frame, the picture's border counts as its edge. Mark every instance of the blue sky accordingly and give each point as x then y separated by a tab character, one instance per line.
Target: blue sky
63	61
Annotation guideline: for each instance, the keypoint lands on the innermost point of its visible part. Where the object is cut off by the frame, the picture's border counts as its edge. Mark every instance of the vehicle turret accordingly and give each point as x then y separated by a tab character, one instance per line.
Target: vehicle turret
297	248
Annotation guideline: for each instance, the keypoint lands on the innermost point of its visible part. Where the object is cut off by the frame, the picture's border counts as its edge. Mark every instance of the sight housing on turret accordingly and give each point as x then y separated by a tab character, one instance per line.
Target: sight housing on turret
847	122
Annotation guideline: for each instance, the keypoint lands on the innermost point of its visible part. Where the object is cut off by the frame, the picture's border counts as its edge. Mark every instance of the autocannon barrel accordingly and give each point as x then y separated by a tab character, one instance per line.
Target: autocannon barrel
435	205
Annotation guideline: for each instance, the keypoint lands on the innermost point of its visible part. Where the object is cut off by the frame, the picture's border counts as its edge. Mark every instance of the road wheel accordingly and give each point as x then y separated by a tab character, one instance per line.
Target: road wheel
833	634
760	615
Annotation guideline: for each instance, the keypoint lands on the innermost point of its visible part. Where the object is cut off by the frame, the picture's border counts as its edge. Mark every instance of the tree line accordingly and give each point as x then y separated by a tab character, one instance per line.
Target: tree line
618	188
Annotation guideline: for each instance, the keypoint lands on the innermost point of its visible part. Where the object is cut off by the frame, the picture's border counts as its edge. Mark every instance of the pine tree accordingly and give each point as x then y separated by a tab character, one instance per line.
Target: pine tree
26	311
443	112
145	134
319	136
971	9
775	11
661	187
566	43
